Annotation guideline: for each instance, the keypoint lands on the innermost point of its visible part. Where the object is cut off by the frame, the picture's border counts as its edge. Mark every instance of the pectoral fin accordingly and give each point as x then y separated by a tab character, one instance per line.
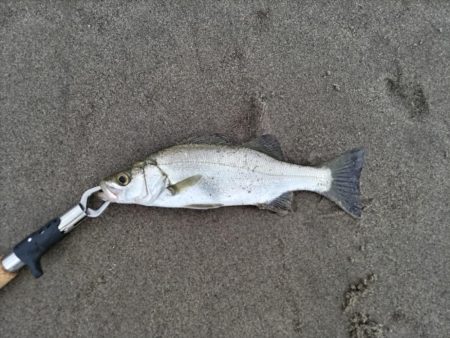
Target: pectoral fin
184	184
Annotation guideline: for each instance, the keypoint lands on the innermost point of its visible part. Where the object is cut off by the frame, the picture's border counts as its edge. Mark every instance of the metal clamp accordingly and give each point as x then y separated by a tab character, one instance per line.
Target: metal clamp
75	215
29	251
84	200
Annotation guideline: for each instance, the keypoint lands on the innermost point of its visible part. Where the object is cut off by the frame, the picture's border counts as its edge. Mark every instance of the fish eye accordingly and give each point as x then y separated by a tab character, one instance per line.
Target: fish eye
122	179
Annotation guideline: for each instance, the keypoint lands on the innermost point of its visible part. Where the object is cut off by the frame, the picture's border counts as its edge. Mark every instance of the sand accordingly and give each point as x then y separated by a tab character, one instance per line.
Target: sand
87	88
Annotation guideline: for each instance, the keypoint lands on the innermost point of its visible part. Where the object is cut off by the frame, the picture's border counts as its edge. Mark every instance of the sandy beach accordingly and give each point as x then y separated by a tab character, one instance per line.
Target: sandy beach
87	88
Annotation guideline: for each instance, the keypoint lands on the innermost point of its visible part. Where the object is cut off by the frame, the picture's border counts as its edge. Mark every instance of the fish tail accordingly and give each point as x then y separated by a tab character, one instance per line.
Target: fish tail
345	174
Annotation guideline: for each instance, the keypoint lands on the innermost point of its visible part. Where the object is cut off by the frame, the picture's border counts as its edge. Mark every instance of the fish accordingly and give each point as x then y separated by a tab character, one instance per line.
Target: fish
211	172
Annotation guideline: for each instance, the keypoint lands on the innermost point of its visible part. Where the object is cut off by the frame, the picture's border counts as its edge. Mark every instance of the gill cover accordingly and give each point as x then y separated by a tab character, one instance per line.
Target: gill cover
156	181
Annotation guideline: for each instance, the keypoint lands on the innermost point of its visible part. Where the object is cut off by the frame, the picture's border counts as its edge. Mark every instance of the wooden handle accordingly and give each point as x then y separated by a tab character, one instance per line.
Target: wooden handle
5	276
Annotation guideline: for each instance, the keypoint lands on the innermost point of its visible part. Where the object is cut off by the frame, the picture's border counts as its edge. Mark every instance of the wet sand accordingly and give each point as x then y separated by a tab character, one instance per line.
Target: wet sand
86	89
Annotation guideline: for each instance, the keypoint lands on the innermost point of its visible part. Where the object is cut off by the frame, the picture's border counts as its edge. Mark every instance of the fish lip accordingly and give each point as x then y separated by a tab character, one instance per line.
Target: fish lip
107	193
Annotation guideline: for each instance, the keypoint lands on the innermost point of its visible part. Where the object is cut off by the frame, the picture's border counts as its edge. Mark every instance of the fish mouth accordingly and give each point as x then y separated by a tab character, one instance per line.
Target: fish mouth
108	193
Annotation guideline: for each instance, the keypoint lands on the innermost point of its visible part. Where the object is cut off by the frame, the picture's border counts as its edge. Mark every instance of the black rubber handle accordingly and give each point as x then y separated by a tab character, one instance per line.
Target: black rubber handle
31	249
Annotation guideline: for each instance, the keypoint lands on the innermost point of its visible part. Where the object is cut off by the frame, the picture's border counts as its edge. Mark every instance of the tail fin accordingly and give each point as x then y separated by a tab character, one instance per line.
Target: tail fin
345	172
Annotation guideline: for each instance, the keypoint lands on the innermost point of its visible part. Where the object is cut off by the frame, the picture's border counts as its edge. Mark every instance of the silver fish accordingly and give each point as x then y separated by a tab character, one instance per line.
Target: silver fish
210	173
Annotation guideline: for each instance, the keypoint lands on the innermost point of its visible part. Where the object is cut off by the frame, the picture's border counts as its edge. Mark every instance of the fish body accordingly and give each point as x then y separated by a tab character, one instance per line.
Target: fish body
201	175
232	176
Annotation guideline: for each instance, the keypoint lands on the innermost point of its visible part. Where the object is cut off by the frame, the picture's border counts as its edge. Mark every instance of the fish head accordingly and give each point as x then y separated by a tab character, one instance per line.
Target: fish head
126	186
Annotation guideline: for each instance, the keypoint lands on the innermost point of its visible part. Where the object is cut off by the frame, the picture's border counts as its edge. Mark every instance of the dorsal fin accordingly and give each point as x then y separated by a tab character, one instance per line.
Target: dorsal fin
280	205
217	139
267	144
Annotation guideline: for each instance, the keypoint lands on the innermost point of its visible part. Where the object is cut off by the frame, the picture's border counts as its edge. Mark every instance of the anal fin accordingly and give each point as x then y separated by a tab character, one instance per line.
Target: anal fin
280	205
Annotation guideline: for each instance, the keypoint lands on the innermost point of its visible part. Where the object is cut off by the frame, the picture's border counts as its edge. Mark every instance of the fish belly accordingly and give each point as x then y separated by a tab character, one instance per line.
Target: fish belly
216	188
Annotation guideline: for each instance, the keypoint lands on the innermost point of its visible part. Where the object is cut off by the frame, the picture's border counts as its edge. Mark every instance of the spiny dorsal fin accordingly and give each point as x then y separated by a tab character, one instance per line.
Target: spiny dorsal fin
216	139
267	144
184	184
280	205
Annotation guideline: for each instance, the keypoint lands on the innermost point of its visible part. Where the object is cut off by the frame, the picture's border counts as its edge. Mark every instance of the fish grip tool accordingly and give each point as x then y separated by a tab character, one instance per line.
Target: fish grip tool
30	250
